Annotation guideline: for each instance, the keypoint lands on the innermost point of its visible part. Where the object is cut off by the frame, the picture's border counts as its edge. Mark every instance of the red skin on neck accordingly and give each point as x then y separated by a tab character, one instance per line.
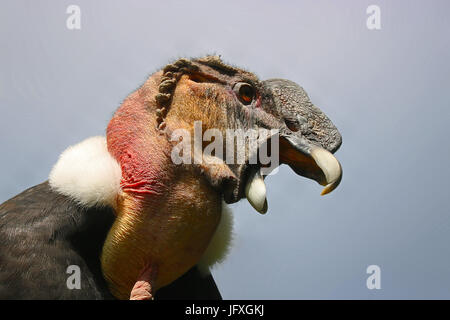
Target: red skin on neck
132	140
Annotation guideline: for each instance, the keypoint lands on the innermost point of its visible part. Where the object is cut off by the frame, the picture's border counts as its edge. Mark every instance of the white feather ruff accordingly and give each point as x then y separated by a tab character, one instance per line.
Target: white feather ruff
87	173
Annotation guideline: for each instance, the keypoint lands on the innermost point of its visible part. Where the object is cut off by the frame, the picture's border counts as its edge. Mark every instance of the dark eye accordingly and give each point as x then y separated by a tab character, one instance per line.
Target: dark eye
245	92
292	125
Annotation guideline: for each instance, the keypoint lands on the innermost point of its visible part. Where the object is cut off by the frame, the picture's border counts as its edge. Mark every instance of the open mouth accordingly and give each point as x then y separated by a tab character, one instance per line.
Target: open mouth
305	159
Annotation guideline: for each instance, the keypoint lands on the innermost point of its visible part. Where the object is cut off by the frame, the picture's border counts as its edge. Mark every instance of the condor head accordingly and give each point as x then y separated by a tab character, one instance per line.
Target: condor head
206	95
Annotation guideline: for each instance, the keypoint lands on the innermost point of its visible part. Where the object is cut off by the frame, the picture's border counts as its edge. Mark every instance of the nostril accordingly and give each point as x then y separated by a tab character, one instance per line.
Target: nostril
292	125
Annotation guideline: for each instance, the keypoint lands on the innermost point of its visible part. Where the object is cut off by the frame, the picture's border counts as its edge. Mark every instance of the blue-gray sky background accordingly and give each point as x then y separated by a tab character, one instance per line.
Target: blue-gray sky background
386	90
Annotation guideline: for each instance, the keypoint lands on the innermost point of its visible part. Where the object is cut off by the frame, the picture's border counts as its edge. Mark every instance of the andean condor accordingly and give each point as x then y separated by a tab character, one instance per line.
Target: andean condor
135	222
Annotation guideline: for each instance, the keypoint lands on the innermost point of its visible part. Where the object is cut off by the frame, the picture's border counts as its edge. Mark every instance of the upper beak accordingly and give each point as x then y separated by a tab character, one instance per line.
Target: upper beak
311	161
308	148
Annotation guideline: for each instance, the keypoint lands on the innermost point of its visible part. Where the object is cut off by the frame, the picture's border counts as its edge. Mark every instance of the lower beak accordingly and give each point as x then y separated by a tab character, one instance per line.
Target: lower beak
311	161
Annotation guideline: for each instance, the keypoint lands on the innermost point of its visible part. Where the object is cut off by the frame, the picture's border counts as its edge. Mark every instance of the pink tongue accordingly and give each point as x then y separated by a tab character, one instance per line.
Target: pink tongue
142	289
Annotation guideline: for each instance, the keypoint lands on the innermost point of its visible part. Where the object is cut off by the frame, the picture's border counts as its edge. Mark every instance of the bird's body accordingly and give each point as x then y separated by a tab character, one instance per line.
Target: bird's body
135	221
43	232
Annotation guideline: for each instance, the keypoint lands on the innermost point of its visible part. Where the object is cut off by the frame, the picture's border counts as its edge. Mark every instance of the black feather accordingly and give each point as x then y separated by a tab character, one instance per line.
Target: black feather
43	232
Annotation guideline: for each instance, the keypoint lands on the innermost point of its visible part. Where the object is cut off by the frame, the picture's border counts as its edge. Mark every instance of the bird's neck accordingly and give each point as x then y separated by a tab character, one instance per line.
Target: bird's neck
166	214
169	232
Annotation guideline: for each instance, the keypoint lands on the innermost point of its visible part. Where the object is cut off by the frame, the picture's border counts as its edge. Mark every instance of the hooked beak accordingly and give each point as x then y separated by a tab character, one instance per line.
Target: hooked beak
311	161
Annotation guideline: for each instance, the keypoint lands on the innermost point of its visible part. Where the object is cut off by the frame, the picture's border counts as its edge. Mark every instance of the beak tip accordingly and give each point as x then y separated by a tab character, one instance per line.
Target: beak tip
255	191
331	186
264	208
325	191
